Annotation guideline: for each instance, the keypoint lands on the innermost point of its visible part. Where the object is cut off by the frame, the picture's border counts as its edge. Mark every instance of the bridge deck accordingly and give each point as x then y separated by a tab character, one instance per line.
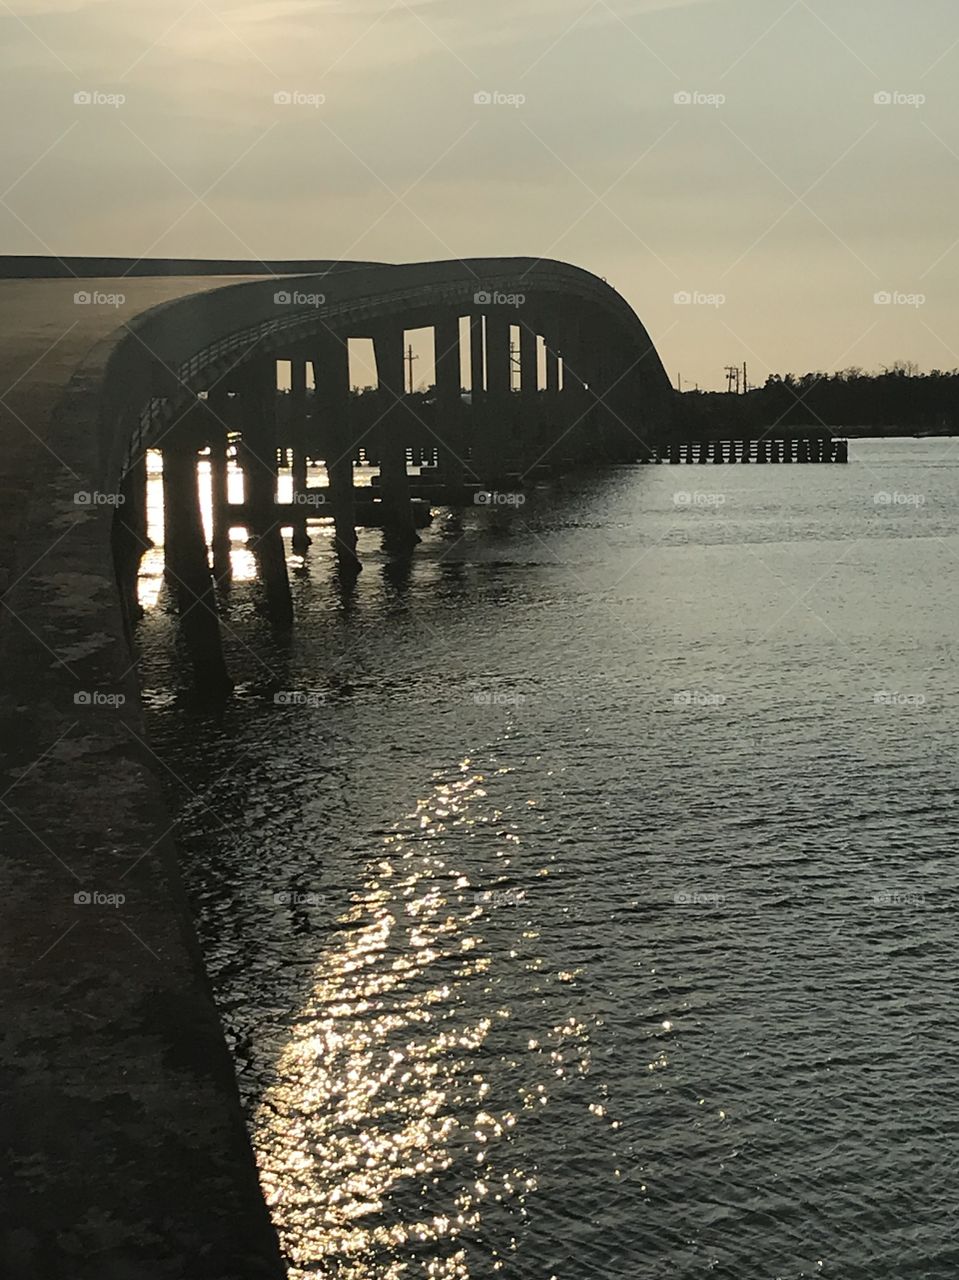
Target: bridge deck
45	337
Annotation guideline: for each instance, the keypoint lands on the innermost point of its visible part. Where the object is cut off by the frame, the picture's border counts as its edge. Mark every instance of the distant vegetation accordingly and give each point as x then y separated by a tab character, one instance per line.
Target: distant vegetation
900	400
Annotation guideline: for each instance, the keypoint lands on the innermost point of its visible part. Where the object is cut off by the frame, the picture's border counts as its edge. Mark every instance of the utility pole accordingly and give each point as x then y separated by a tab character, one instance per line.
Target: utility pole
680	384
515	365
745	379
732	378
409	358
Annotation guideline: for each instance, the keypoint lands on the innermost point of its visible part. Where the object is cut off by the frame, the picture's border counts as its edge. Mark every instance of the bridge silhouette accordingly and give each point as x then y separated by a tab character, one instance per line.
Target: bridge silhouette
200	373
112	1047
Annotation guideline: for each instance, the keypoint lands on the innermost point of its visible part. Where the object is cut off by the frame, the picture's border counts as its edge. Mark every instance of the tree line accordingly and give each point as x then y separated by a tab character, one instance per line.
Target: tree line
900	400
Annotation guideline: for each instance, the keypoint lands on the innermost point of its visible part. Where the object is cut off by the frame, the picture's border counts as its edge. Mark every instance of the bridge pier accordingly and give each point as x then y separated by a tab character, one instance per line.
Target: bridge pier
331	396
259	462
130	540
552	377
477	427
218	405
528	416
496	439
449	404
551	417
187	566
575	446
301	538
603	419
636	408
394	478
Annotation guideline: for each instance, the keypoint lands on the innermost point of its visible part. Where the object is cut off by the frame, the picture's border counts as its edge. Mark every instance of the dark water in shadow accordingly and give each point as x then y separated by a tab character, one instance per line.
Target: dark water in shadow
588	906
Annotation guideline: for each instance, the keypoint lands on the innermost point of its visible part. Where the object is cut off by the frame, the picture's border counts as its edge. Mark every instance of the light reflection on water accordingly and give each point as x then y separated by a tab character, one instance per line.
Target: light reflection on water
383	1104
242	559
624	943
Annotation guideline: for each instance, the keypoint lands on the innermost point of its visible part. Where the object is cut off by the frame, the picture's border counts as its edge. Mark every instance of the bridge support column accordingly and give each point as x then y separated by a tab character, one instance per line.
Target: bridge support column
301	539
638	426
130	540
497	434
551	423
552	368
446	339
574	444
528	418
258	407
331	377
220	493
477	426
187	566
616	392
218	404
394	479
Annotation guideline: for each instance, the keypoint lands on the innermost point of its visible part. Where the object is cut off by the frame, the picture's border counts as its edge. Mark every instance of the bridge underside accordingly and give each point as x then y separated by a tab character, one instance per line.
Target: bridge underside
539	368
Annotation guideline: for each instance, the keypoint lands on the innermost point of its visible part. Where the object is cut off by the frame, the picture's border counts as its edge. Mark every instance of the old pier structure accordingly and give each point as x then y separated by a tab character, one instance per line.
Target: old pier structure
812	448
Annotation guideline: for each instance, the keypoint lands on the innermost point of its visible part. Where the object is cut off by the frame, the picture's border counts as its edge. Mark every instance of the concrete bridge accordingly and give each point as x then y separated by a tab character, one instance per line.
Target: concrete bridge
124	1145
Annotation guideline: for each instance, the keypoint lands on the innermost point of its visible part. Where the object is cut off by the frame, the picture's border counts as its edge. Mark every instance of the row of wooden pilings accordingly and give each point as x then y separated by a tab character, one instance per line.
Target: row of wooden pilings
493	441
801	449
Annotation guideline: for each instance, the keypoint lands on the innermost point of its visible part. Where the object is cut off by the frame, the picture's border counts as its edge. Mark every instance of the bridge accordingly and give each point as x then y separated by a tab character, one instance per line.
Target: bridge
125	1146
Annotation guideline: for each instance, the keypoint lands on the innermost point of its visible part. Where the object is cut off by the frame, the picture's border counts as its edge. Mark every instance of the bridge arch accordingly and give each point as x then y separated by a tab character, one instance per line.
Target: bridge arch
200	371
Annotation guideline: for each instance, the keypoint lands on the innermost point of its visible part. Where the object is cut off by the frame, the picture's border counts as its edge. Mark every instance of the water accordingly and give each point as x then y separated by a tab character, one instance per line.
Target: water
588	910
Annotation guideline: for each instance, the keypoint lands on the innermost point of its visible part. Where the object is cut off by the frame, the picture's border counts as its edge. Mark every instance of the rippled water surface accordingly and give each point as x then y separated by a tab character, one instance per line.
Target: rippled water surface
589	910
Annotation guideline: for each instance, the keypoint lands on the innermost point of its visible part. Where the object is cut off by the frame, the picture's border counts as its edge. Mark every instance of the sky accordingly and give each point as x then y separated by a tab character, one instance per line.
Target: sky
766	181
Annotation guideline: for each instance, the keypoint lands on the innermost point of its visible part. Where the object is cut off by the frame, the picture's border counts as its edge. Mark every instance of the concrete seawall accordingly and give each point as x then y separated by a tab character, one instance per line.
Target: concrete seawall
125	1151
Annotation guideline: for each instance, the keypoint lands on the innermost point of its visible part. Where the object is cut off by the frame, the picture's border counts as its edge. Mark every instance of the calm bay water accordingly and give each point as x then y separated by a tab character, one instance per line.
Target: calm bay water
589	909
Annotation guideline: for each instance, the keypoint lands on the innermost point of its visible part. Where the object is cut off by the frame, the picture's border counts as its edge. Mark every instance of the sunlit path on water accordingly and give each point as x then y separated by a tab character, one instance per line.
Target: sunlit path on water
384	1102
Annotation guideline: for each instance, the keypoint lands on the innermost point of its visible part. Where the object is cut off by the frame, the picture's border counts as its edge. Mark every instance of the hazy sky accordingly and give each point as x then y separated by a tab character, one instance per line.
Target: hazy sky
797	199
